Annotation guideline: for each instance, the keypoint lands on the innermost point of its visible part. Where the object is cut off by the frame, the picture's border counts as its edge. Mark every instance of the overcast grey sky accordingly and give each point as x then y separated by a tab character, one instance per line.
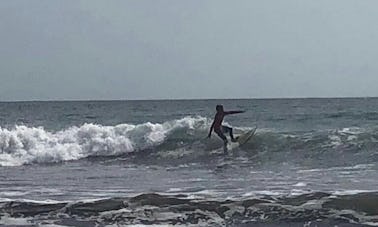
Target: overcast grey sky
152	49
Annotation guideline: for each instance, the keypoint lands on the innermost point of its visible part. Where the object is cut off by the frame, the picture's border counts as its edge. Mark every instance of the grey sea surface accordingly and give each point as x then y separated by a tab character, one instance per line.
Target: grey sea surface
312	162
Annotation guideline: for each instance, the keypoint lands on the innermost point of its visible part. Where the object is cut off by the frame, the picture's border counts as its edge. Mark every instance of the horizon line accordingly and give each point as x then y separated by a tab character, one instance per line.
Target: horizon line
185	99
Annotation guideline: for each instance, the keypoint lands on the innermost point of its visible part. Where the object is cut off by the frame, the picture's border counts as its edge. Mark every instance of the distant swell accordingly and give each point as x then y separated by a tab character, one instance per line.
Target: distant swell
177	138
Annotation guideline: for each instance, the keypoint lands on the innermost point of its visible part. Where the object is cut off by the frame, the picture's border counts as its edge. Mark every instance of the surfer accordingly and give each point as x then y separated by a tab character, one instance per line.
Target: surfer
220	129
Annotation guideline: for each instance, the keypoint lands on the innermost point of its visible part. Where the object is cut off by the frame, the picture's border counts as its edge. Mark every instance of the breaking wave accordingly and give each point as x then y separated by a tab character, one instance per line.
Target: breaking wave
173	139
25	145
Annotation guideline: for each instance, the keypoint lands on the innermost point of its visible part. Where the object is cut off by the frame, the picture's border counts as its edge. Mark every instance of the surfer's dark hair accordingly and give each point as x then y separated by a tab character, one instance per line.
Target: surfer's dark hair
219	107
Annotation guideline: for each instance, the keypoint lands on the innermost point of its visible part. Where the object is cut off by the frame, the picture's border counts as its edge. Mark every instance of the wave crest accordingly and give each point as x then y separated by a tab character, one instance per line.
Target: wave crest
25	145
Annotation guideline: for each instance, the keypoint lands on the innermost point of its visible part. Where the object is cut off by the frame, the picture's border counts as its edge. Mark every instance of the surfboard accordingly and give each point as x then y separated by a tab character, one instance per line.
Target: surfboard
242	139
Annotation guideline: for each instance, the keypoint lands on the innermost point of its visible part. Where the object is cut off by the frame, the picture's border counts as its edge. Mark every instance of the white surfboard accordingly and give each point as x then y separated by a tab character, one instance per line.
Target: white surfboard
242	139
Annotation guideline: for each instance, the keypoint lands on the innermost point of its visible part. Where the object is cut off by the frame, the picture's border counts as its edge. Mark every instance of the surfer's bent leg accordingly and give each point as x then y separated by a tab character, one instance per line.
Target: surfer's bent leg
226	129
222	136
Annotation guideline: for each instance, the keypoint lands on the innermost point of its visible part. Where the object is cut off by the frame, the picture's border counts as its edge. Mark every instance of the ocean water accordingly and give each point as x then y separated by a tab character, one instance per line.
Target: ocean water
312	162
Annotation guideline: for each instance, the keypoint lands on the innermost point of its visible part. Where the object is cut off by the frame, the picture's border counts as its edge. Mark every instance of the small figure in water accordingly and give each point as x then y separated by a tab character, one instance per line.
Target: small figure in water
220	129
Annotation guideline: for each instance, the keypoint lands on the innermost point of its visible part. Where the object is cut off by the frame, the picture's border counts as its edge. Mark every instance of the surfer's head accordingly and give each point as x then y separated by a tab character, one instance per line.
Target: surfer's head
219	108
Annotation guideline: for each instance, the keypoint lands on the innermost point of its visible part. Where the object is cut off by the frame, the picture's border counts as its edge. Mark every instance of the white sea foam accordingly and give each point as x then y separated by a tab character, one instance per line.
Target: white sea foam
300	184
7	220
25	145
351	192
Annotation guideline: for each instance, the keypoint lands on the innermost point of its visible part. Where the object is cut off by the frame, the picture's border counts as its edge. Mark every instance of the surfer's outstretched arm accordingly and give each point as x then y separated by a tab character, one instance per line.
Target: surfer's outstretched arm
233	112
